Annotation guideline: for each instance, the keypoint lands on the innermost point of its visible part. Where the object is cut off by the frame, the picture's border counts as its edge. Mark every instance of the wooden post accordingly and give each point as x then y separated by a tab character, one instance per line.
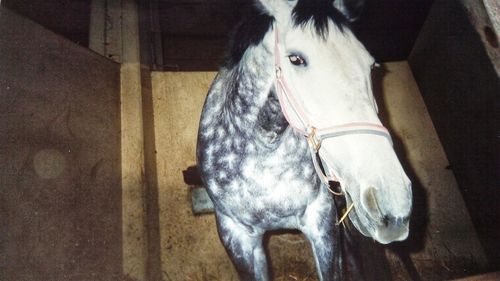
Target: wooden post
105	32
133	166
97	26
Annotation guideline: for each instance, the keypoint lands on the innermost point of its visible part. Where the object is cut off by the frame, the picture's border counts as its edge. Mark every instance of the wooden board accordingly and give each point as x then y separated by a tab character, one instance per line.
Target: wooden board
458	82
60	184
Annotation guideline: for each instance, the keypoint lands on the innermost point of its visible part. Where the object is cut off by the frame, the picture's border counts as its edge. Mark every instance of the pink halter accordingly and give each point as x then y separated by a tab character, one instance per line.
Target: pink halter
313	134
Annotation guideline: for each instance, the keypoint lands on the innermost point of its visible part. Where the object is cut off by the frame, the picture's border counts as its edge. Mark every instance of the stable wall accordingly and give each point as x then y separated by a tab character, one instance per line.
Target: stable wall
456	62
60	185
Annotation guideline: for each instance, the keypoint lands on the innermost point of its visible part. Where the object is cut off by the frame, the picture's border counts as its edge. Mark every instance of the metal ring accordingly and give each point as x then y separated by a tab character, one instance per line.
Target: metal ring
341	193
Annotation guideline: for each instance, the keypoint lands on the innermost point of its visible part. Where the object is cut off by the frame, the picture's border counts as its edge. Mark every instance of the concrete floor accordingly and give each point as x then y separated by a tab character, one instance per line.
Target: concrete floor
442	244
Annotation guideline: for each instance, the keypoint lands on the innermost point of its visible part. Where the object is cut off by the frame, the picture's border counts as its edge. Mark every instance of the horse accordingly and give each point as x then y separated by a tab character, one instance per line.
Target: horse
290	111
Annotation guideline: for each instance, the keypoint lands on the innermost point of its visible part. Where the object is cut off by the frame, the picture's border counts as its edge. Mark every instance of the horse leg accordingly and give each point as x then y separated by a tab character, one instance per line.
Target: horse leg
245	248
319	228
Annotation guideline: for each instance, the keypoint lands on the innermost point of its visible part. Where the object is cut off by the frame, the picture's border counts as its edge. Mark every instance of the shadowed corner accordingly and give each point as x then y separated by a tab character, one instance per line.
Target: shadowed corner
362	257
419	216
152	208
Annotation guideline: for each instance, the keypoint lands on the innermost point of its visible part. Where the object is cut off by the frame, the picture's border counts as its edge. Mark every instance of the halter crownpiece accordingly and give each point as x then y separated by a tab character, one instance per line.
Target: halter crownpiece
316	135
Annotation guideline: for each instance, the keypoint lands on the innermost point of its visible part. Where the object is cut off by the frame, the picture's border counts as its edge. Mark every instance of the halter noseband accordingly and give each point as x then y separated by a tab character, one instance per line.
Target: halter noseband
316	135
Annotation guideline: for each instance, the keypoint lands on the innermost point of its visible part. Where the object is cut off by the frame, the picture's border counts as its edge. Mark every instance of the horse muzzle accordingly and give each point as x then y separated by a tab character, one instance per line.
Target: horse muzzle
392	229
372	221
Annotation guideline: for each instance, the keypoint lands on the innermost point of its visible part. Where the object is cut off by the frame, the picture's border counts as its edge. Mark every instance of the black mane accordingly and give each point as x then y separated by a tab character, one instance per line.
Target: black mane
251	31
318	11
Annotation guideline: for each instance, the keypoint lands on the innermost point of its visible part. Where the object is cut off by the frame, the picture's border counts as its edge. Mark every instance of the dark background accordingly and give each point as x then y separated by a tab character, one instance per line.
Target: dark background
194	32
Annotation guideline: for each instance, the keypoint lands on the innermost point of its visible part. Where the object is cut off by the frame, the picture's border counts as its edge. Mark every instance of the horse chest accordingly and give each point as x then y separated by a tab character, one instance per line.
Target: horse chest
262	185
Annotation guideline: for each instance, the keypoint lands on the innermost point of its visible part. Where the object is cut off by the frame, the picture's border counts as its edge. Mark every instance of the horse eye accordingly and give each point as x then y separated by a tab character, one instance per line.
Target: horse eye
297	60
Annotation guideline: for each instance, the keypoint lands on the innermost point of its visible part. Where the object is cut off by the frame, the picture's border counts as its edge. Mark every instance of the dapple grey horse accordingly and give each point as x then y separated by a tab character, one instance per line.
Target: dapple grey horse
291	110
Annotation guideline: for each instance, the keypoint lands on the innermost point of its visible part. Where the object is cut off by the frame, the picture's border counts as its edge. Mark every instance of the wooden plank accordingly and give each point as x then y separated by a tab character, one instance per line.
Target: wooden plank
59	157
460	86
443	243
69	18
190	247
482	277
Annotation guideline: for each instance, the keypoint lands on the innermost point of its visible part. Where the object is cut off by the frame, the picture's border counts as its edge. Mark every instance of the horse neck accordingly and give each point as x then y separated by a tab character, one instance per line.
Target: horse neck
253	79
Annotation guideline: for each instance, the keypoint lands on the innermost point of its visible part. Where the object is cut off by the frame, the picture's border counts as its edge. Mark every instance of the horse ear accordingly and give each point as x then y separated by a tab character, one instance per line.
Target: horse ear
281	10
351	9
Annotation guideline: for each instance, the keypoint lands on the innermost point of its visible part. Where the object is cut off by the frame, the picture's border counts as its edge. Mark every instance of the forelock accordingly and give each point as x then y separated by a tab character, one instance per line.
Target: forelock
318	13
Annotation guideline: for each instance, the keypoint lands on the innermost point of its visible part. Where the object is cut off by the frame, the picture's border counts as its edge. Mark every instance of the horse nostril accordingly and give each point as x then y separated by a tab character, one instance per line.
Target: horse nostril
386	220
392	229
389	220
370	203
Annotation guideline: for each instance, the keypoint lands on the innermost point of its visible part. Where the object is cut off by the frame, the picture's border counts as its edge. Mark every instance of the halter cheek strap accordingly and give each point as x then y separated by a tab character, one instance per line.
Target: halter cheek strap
316	135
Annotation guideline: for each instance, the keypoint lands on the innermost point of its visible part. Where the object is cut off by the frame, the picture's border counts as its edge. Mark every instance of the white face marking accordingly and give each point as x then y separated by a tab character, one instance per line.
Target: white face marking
333	85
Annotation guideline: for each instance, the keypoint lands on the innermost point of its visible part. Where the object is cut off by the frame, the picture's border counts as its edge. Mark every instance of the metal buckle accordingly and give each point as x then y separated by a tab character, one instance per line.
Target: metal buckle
313	141
278	71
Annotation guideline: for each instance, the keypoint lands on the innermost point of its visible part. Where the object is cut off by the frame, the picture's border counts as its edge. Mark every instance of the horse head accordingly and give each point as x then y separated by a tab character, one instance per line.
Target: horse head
327	74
